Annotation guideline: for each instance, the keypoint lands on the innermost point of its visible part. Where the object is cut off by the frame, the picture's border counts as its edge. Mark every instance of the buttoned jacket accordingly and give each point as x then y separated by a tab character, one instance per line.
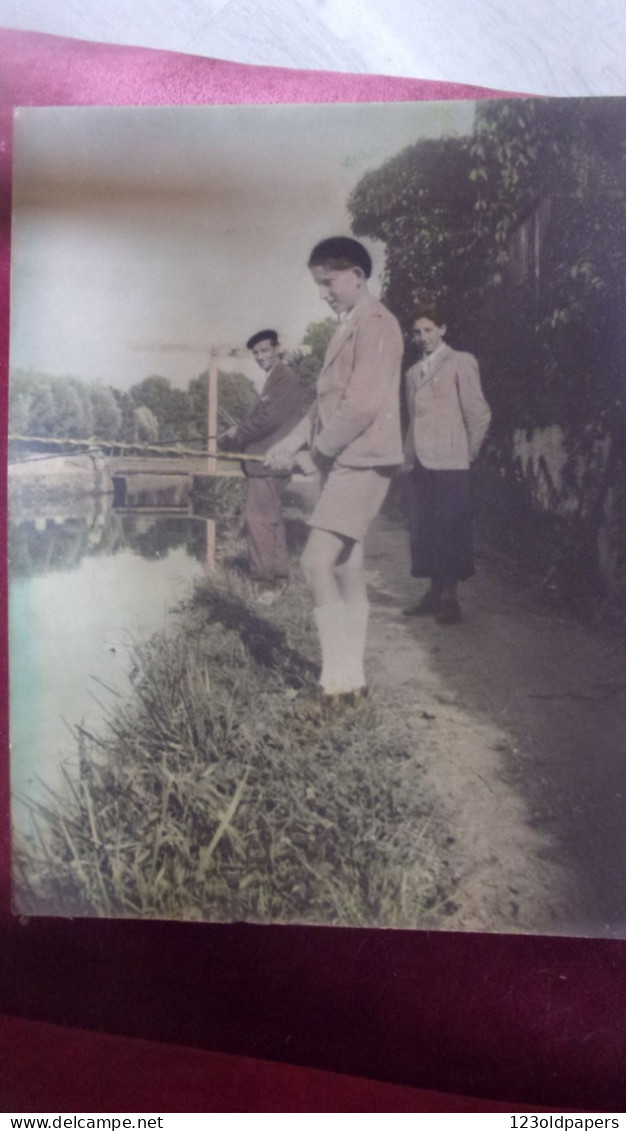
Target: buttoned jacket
449	416
356	417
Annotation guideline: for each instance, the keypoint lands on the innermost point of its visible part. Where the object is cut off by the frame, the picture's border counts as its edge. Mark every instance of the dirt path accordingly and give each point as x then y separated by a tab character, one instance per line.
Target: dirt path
516	718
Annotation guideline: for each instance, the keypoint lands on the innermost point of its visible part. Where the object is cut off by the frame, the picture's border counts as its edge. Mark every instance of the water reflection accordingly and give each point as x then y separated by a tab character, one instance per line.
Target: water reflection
87	581
51	541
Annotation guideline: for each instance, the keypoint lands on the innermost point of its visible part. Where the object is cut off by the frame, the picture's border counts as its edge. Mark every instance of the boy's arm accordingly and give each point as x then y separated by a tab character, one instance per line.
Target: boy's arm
378	353
281	456
409	452
280	400
475	410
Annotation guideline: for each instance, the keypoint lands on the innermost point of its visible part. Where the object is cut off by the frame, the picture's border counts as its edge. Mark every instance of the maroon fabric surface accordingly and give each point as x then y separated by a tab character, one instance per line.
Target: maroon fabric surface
49	1069
521	1019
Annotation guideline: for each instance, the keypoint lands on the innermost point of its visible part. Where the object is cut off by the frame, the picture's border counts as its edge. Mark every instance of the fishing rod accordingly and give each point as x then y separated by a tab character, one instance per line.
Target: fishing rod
142	449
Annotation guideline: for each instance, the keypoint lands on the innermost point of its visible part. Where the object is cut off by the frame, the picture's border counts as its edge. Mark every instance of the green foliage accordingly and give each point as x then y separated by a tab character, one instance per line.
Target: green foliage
145	425
421	205
65	407
126	408
42	417
557	169
236	399
40	405
154	393
520	230
106	413
307	361
207	797
450	213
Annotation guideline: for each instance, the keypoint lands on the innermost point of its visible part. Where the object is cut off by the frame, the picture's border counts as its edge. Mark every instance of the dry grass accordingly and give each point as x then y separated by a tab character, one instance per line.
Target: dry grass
207	797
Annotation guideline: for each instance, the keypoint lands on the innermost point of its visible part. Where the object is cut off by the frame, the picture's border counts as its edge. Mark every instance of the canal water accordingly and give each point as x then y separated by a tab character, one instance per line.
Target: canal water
87	582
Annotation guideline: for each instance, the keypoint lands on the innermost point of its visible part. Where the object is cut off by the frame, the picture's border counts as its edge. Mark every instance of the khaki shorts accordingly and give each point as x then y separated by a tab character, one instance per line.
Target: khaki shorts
349	500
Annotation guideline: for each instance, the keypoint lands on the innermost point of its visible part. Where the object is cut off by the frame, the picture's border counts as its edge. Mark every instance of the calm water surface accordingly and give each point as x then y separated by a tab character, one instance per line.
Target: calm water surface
86	583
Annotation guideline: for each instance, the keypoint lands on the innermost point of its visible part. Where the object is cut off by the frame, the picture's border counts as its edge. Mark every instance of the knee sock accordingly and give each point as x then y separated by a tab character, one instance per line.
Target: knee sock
332	633
342	634
356	620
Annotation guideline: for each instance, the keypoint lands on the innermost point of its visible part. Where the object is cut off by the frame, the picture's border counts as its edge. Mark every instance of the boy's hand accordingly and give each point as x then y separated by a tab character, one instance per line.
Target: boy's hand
304	463
280	457
322	462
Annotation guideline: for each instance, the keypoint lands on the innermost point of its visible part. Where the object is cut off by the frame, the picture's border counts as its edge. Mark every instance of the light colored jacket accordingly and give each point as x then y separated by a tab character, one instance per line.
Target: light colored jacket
449	416
356	417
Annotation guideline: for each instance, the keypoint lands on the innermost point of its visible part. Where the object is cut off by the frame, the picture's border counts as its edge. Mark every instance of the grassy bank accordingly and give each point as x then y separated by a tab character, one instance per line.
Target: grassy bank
206	796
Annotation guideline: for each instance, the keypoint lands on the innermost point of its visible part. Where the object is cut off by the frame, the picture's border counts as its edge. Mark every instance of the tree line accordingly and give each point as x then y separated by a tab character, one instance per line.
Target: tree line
152	410
518	230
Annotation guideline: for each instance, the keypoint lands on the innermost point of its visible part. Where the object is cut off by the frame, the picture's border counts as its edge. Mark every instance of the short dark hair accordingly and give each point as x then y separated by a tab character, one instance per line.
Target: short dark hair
432	310
263	336
339	253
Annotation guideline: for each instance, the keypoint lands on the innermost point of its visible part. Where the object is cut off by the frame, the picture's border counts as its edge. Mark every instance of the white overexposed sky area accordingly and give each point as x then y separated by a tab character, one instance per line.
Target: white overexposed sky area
142	237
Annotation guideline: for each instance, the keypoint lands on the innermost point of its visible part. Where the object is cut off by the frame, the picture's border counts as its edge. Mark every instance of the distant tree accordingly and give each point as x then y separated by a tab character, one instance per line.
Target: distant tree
69	415
126	408
146	425
69	408
236	399
43	418
179	425
21	393
83	393
154	393
106	415
307	361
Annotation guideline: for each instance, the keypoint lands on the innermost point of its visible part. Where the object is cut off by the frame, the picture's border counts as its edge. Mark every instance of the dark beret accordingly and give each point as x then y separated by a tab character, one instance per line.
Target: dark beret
263	336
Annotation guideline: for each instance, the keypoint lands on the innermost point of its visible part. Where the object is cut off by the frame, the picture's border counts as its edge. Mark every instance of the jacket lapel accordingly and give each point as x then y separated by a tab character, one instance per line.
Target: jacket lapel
348	327
337	342
435	368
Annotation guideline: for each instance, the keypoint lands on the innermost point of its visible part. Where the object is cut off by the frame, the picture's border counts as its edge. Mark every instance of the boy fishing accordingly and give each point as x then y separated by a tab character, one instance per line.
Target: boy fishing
275	413
353	435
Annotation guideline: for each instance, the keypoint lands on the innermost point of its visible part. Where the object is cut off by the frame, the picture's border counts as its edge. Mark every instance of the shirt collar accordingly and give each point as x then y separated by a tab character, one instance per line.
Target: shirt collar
428	362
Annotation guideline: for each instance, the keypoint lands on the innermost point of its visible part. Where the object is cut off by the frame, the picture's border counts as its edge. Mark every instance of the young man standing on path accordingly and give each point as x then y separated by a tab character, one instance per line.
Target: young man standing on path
449	419
353	434
278	409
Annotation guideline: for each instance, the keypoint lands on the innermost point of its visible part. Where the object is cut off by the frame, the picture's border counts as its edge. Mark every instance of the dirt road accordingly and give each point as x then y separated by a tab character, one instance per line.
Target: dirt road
516	716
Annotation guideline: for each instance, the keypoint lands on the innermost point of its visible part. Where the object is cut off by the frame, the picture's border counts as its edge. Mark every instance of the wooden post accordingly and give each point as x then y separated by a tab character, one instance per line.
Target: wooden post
210	545
212	414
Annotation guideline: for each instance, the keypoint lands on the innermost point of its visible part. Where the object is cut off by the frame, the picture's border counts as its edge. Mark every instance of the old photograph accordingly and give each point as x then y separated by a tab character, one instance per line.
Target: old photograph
316	514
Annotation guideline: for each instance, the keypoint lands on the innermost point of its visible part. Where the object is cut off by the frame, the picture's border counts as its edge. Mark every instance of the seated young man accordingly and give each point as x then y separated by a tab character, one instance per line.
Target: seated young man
278	408
353	434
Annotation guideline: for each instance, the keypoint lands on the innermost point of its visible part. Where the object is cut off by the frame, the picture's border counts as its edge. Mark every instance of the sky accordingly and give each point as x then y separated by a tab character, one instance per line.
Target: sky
145	237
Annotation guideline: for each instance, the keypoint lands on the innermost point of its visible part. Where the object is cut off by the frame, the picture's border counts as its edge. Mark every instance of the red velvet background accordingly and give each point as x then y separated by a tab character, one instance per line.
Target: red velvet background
524	1020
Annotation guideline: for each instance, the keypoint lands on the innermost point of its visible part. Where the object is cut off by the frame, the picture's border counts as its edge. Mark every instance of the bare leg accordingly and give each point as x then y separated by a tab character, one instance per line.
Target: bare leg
350	574
320	557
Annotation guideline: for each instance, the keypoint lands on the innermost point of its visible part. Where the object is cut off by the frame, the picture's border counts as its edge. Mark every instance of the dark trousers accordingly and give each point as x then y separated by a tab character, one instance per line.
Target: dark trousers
441	532
266	532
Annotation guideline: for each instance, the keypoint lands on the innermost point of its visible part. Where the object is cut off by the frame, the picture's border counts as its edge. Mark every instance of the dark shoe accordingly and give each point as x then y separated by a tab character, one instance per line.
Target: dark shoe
311	707
427	606
449	612
357	698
